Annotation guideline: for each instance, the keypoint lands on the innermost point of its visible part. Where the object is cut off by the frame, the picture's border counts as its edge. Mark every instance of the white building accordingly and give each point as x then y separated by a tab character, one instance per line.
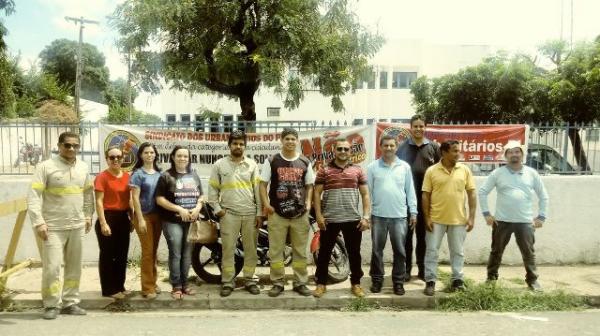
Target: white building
396	65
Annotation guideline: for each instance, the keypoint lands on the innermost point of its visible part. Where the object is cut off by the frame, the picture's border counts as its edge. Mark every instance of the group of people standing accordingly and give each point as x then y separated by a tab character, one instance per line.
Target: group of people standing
417	186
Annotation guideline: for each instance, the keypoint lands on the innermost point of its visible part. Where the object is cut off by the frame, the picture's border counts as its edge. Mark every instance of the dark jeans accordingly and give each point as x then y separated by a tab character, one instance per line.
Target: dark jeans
112	262
397	227
524	234
421	245
352	240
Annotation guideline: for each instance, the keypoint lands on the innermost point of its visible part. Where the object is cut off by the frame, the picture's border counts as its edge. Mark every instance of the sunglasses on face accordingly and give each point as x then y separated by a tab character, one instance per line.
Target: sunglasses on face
70	145
343	149
115	157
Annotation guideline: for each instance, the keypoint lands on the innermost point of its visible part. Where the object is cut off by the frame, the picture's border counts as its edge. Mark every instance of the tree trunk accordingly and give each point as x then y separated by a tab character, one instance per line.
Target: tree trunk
578	150
247	105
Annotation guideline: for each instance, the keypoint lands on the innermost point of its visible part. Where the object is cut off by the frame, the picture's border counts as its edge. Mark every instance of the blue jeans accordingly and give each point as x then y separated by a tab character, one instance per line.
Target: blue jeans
397	227
433	240
180	252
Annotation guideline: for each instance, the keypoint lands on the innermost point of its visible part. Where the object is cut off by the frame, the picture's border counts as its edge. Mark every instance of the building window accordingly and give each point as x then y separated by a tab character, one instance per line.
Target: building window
214	125
171	118
371	82
273	111
359	84
227	123
199	126
357	122
185	119
370	121
383	80
403	80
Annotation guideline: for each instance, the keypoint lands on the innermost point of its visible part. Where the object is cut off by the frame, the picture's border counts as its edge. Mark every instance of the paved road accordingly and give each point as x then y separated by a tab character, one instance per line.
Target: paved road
311	323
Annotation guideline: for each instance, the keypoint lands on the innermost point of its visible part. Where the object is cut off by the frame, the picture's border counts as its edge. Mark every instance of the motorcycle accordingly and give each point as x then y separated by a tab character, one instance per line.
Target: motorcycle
206	255
28	153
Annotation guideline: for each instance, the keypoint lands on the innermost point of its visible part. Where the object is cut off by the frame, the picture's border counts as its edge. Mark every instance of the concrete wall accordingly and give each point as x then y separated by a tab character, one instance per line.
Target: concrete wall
570	234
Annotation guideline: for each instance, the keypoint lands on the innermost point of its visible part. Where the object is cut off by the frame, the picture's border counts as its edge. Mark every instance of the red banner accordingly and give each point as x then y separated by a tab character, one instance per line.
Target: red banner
478	143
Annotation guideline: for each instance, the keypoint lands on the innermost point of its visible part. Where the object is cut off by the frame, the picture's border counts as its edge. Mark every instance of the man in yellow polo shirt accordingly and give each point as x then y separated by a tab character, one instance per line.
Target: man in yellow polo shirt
444	210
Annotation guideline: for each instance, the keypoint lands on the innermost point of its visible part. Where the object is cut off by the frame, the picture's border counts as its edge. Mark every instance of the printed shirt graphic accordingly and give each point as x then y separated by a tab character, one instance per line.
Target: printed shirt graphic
181	189
186	192
288	179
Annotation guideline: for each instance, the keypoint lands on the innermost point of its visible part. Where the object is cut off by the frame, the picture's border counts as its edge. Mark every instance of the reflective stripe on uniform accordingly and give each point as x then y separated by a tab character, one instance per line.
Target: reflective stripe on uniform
298	264
37	186
70	283
70	190
277	264
53	290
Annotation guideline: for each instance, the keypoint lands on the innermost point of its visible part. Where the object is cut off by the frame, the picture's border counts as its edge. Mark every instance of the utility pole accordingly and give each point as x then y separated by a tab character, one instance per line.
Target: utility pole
129	85
81	21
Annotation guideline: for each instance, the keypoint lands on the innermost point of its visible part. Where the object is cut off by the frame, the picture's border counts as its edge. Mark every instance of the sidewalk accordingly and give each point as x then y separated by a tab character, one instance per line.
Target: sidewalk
24	287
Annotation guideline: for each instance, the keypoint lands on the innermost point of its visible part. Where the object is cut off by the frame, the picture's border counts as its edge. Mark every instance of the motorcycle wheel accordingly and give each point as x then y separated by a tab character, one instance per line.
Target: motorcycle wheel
339	266
206	262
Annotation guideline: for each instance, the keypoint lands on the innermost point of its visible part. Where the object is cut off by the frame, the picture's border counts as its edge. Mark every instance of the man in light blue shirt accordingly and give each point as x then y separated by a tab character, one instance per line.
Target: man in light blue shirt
515	185
391	188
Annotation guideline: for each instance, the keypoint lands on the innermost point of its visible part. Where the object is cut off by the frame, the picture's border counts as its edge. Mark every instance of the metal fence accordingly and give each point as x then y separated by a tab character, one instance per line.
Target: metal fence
553	149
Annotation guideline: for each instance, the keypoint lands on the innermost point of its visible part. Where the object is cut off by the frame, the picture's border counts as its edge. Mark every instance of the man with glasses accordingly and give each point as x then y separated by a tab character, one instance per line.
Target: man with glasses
60	205
340	183
391	188
234	195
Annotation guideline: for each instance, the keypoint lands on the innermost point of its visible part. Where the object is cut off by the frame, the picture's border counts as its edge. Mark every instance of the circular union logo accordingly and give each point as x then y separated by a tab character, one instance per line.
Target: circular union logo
129	145
398	132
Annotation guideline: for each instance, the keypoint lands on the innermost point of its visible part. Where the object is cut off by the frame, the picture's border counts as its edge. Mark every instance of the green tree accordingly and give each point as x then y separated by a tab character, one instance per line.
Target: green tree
33	88
574	93
60	58
500	89
120	114
7	97
117	91
234	47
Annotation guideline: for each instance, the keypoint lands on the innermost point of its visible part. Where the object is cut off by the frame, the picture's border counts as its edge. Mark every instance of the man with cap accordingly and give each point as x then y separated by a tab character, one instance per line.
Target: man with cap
290	178
515	185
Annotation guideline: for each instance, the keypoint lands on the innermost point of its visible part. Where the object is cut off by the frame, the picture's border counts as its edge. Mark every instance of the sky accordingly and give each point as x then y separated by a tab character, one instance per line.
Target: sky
514	25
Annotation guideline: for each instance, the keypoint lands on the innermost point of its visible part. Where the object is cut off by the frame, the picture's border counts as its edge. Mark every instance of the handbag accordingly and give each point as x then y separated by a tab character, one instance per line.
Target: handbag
203	231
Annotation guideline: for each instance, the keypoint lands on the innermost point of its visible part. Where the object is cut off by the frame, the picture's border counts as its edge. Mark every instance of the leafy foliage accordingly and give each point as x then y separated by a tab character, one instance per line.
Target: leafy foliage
517	90
234	47
60	57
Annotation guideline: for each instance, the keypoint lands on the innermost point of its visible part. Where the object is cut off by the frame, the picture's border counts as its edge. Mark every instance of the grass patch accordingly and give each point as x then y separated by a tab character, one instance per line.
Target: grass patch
119	306
445	278
495	297
518	281
360	305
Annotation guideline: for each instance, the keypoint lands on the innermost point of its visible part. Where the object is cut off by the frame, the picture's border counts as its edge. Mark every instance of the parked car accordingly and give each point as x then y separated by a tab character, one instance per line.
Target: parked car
546	159
543	158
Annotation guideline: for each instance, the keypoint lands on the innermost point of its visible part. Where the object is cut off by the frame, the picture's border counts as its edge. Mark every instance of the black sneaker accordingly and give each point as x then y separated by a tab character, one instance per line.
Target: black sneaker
225	291
375	287
302	290
252	289
458	285
50	313
399	289
429	288
275	291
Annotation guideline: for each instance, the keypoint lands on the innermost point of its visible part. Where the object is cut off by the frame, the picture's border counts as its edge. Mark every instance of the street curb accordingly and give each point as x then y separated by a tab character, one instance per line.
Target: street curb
414	300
